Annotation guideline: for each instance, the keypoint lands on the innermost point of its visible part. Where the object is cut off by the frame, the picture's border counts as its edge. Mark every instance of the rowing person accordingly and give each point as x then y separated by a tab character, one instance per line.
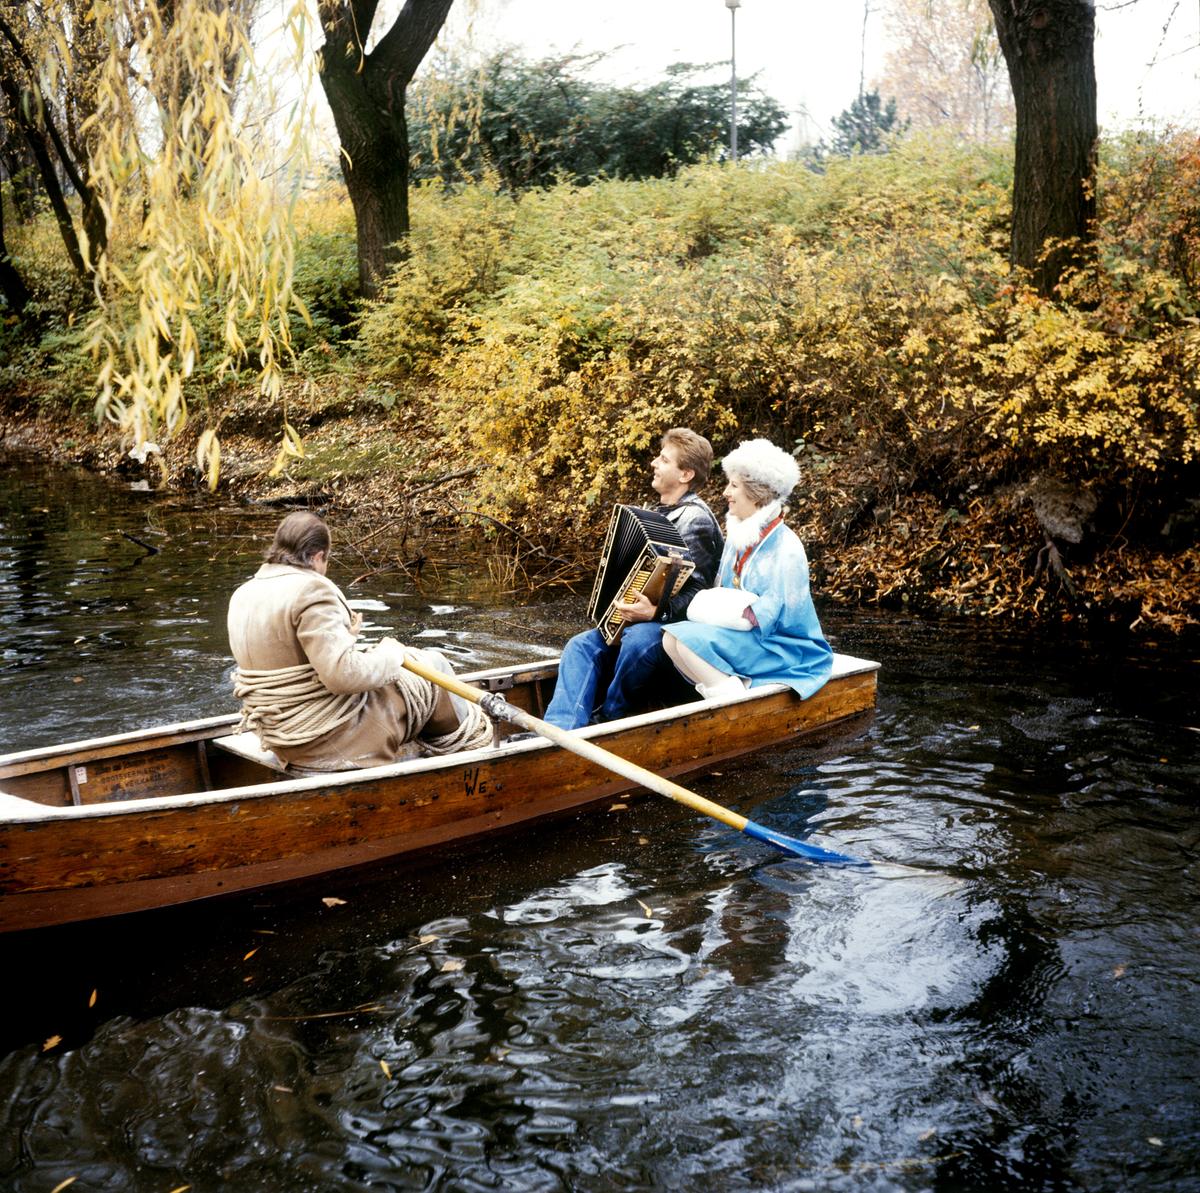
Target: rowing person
309	692
597	681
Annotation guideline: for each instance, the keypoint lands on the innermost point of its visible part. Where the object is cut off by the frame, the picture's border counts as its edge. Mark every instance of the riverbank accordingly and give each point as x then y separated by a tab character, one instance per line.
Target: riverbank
1028	554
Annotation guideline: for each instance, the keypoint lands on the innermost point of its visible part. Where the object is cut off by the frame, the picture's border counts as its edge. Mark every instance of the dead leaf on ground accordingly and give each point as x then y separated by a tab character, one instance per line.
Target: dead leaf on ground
333	901
52	1042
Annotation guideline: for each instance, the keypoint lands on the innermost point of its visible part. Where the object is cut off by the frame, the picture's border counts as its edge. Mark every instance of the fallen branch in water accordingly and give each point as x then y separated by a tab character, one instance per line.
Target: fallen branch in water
145	546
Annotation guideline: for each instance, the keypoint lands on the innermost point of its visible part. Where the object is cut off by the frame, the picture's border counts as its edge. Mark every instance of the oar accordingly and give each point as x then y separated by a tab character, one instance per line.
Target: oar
499	709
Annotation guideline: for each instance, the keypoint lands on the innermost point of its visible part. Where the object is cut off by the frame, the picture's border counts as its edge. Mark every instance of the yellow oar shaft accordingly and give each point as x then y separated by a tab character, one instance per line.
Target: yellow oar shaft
586	749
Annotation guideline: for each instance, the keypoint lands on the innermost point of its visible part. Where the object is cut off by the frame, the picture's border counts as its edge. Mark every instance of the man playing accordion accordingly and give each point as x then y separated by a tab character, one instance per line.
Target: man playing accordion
597	681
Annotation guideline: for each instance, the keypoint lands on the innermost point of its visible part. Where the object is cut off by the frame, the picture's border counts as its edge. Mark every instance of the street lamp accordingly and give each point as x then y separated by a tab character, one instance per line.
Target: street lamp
733	6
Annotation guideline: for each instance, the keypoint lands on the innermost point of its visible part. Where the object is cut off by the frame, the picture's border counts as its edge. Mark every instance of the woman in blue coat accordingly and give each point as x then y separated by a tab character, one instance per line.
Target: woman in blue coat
758	626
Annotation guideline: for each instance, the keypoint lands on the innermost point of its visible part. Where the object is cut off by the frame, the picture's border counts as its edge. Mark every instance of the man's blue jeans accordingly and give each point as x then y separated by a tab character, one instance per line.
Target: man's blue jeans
618	678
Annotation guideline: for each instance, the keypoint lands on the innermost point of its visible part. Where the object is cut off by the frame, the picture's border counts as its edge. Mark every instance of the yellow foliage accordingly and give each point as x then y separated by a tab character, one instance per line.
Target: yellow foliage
869	308
198	216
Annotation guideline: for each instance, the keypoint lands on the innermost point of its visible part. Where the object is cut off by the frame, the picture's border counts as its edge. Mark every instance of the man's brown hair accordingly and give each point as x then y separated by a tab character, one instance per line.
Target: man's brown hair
301	536
693	451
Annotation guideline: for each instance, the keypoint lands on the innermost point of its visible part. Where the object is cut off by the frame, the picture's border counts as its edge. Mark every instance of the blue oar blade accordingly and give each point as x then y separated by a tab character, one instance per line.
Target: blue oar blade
813	853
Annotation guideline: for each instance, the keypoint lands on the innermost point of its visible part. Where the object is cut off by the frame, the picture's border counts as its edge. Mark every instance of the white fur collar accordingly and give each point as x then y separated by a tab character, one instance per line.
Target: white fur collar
741	533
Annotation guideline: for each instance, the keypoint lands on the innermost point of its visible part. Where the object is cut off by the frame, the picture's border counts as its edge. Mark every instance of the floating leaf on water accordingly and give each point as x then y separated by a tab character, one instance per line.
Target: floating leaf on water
1118	971
63	1184
643	840
250	954
283	1089
181	1189
76	679
386	1071
451	966
927	1134
80	639
646	909
972	728
857	1121
333	901
92	1000
52	1042
618	807
427	939
1154	1141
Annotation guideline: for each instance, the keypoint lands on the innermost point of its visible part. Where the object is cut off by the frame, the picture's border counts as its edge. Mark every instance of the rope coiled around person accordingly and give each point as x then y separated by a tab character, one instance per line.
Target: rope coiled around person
289	707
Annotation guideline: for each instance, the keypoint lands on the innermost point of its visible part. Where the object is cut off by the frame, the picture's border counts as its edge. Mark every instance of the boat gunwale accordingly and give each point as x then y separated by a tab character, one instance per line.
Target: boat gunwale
201	725
845	667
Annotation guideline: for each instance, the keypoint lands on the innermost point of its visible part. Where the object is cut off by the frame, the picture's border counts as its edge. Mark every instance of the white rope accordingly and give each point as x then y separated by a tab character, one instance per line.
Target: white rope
290	706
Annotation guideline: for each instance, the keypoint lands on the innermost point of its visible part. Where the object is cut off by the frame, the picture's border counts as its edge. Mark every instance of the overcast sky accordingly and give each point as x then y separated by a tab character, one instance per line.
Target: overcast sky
808	52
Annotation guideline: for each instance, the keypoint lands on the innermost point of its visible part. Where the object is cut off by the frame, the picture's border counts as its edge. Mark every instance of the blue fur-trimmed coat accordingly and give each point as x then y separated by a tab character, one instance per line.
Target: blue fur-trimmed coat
787	646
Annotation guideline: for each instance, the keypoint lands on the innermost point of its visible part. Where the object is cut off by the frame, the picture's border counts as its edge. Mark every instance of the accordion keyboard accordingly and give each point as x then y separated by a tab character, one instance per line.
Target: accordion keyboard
636	587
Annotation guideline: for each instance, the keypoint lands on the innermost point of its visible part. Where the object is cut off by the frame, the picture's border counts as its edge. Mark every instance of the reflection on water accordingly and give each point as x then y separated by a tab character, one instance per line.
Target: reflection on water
638	1000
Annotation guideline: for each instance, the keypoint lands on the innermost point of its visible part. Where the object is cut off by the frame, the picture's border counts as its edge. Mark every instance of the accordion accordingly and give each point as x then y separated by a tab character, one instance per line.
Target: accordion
643	553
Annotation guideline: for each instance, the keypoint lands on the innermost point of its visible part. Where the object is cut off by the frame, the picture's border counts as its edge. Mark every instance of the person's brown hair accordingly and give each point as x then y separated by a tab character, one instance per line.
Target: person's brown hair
694	452
300	537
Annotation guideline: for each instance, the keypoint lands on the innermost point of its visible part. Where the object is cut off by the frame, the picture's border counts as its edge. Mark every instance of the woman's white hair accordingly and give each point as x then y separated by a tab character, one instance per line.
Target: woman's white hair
760	461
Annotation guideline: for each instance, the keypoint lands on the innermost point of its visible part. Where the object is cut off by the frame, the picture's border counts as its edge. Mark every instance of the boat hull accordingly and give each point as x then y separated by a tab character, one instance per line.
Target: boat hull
60	864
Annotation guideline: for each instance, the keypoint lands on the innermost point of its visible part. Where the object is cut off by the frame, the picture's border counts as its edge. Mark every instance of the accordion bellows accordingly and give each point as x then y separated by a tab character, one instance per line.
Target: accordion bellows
643	553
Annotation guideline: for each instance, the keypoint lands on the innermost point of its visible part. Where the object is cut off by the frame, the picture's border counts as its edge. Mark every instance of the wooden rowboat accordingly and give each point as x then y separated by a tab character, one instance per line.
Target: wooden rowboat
175	813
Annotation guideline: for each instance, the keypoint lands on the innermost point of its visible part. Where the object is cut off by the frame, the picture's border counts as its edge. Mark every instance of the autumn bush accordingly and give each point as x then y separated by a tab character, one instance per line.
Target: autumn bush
864	315
867	312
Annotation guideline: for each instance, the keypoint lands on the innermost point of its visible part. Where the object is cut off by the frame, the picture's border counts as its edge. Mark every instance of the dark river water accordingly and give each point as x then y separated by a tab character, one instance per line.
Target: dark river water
633	1000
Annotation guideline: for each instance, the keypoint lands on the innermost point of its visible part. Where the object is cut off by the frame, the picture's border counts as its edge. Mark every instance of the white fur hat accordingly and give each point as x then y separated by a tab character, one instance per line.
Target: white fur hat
760	461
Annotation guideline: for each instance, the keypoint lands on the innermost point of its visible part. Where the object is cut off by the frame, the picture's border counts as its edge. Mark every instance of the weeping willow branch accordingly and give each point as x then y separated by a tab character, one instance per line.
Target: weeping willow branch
200	250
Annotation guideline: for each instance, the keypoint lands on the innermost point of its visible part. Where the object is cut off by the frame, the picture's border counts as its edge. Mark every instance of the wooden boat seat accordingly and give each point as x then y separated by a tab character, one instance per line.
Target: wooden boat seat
247	745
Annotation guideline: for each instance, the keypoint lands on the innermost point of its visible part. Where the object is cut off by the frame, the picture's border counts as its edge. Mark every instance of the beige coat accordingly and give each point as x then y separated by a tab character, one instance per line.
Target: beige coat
286	616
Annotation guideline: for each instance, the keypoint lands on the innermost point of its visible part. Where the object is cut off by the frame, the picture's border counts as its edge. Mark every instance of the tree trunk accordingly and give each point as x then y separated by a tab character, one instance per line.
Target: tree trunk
41	134
1048	45
366	94
12	284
